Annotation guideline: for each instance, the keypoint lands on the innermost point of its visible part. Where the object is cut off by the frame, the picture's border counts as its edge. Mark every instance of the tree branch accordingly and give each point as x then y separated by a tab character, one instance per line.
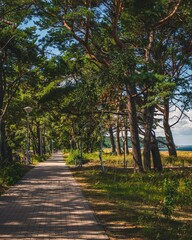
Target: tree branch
4	110
7	42
165	19
43	9
118	6
14	25
181	114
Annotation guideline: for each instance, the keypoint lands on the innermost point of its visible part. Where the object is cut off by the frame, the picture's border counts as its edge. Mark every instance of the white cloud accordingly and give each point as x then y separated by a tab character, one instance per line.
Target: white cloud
182	131
184	126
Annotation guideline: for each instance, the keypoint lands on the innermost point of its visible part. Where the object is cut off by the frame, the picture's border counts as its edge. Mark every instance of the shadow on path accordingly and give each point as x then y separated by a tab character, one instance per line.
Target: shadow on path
47	204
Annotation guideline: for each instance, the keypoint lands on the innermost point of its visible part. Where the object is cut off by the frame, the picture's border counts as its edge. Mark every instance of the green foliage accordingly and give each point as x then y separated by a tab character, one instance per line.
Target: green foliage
9	175
67	89
138	198
171	159
37	159
74	158
185	192
170	190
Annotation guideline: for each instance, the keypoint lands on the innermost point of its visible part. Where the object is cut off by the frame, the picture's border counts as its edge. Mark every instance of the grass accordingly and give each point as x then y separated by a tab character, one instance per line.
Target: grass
37	159
183	159
11	174
130	206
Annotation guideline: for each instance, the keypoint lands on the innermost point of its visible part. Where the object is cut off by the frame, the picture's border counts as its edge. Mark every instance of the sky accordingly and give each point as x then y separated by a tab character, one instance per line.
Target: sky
182	131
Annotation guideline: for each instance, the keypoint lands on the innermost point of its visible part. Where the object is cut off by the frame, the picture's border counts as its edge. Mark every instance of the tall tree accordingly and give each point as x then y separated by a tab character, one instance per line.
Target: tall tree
17	51
119	37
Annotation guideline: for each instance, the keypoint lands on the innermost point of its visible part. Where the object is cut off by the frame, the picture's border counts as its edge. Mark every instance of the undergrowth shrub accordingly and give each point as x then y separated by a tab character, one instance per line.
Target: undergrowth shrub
74	158
37	158
11	174
170	191
171	160
185	192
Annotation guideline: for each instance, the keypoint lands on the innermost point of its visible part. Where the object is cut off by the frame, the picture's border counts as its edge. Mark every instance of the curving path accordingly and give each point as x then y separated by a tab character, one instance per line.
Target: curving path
47	204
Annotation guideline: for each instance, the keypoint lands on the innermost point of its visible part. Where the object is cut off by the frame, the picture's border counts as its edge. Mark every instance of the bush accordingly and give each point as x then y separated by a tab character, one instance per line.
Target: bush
185	192
74	158
172	160
37	159
11	174
170	188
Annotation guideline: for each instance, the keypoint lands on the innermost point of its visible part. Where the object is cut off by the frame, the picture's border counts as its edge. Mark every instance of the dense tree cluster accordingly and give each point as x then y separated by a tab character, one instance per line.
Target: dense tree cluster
125	63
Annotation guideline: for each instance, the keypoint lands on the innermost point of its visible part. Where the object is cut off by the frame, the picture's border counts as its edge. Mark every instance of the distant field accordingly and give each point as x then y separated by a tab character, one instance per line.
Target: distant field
184	158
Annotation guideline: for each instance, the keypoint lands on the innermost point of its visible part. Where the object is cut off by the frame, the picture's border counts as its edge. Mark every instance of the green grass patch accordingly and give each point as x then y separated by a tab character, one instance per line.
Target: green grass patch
10	174
141	206
74	158
183	159
36	158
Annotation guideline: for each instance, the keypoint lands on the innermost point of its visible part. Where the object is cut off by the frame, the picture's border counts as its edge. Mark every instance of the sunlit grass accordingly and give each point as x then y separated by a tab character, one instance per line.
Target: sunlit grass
10	174
130	205
184	159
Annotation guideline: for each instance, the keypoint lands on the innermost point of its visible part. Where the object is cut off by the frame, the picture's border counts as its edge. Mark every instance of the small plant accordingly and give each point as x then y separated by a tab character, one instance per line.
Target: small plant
170	193
172	160
37	158
185	195
76	159
11	174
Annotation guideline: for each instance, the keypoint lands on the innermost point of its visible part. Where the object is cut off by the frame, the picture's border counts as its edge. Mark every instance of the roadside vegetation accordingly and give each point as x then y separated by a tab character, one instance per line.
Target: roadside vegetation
132	205
12	173
103	73
100	68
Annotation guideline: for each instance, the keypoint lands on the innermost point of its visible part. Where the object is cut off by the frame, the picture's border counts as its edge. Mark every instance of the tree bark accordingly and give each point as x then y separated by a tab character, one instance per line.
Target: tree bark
126	142
132	114
148	124
118	144
157	164
72	139
168	133
113	148
5	149
39	141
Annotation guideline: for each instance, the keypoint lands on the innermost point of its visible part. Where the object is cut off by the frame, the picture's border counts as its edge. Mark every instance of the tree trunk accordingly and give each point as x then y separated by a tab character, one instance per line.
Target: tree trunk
5	149
148	124
1	109
168	132
132	114
126	142
113	148
157	164
118	144
91	146
39	141
72	140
